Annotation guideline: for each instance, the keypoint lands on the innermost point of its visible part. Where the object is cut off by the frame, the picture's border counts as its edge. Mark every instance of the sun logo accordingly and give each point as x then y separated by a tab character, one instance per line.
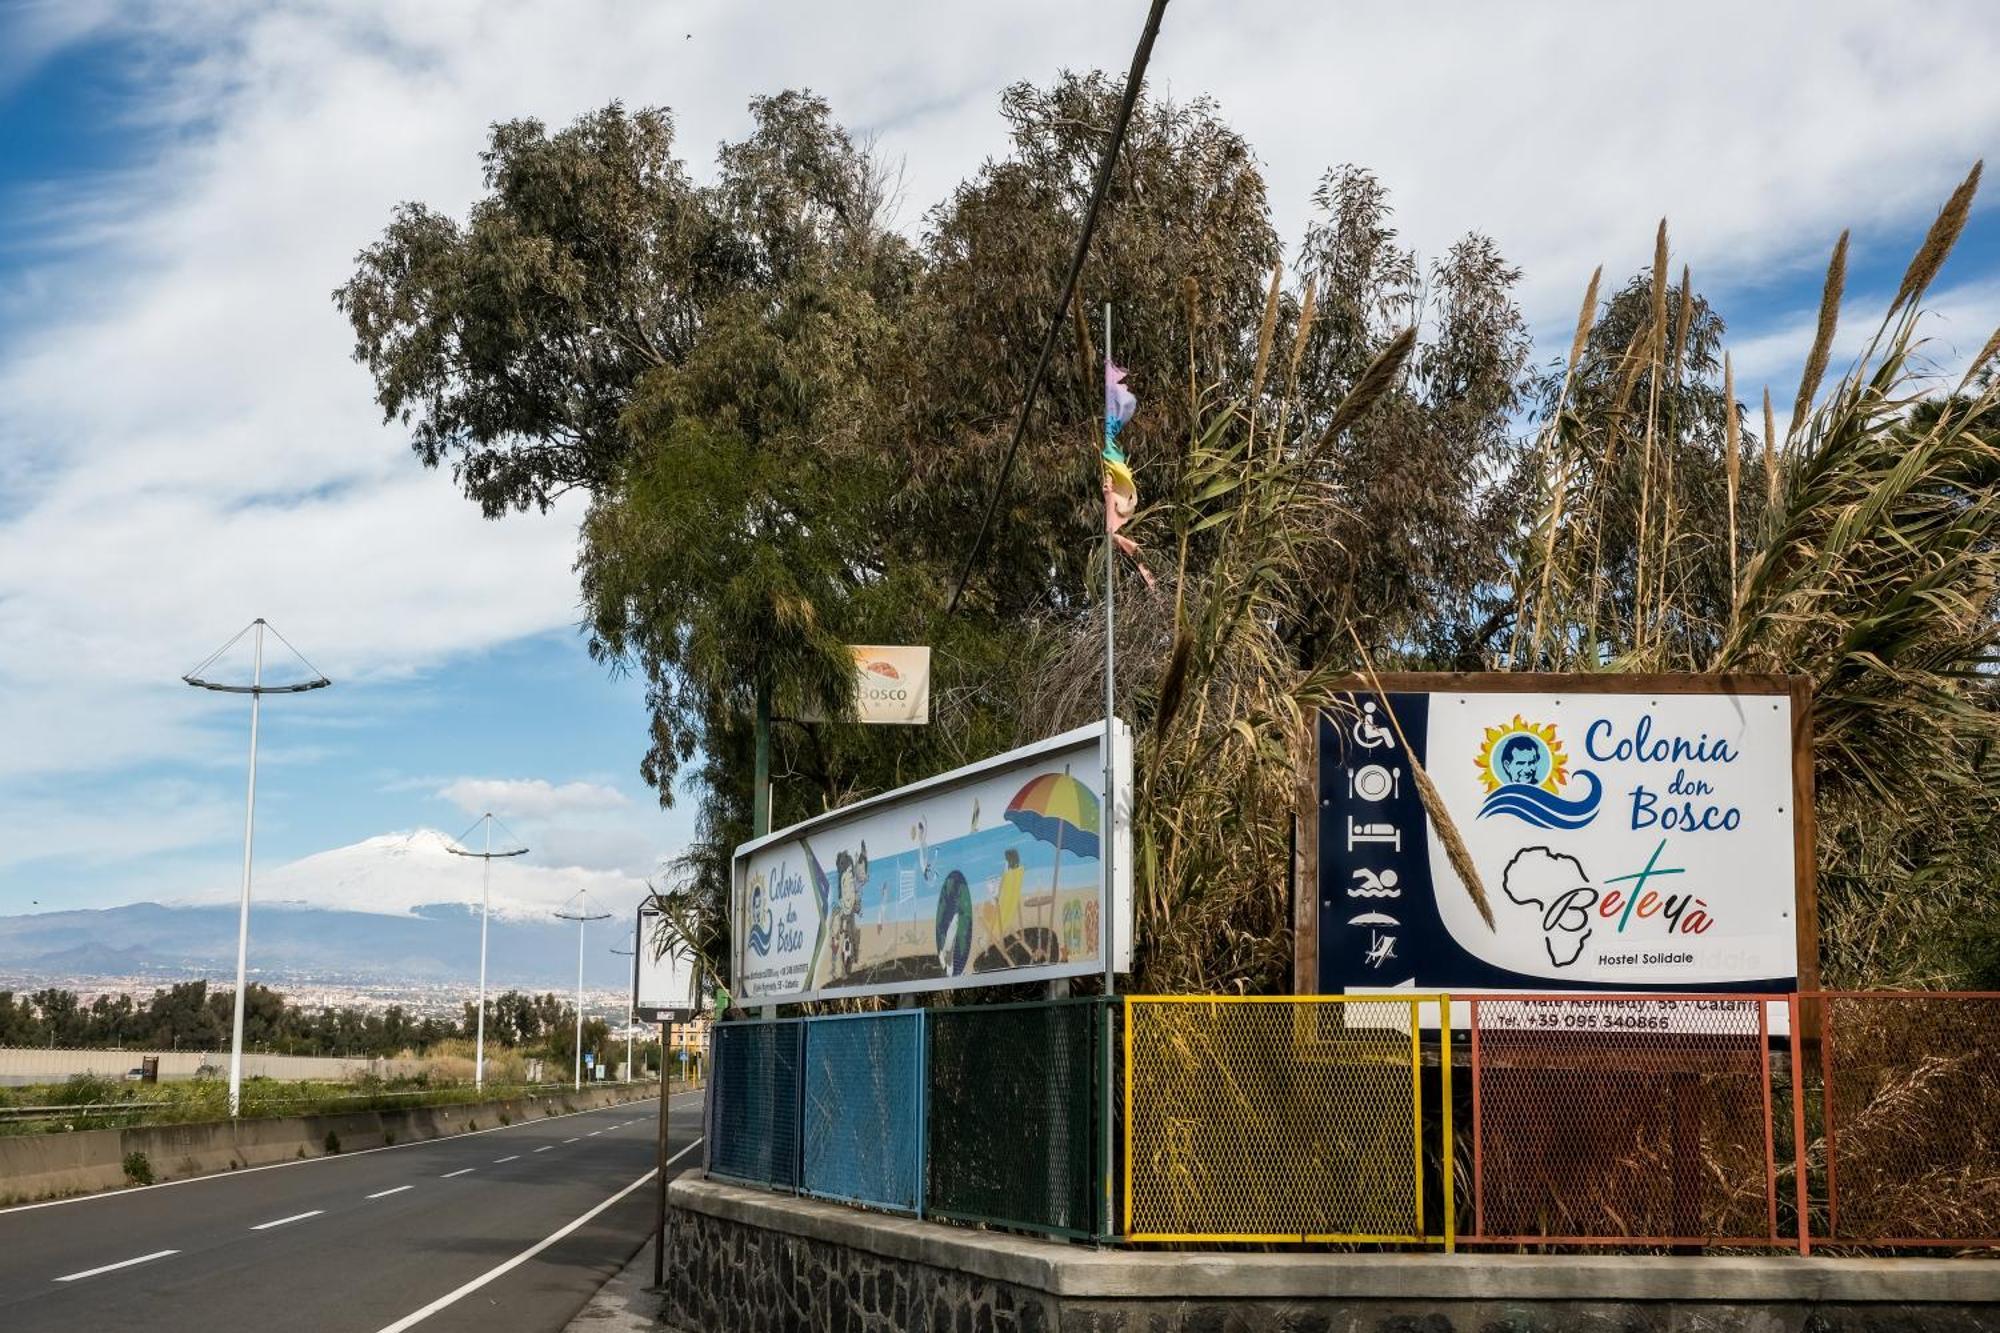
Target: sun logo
1523	754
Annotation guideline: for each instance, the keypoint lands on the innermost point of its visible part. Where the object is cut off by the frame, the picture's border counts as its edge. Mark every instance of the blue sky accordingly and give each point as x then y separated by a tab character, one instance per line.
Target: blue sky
184	443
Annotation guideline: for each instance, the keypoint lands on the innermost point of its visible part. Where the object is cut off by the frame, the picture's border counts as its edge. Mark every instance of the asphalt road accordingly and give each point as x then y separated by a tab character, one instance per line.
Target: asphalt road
502	1231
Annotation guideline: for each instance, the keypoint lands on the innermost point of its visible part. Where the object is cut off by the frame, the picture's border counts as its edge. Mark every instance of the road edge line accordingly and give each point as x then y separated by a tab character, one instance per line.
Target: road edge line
452	1298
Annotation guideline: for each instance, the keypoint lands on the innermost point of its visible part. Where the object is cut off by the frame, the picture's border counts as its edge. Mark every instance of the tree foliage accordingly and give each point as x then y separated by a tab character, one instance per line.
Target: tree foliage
788	418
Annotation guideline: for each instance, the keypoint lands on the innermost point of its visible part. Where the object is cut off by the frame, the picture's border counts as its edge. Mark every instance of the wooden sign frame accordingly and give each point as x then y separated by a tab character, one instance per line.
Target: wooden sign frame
1305	853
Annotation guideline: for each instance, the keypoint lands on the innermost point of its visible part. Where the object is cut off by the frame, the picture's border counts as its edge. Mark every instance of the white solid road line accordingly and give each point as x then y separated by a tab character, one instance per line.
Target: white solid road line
464	1172
287	1221
309	1161
411	1320
515	1158
386	1193
112	1268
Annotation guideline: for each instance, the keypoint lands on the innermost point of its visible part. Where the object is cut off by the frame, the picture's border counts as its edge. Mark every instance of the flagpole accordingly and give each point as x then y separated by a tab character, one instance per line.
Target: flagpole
1108	821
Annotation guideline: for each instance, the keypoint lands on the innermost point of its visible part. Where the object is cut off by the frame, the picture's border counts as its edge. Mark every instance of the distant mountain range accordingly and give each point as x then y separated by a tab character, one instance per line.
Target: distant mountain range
398	908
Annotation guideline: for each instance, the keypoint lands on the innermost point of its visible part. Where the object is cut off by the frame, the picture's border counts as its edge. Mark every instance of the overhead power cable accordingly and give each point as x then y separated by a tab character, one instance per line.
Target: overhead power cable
1133	78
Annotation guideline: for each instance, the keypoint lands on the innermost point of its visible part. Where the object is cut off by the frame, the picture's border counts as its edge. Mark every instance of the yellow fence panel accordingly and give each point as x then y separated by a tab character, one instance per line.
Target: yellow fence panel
1277	1119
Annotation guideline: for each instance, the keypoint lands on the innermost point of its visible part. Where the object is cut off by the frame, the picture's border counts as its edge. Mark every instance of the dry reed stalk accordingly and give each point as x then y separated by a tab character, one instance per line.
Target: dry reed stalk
1586	316
1732	440
1308	309
1943	235
1822	346
1455	849
1986	354
1655	354
1375	381
1266	332
1770	460
1681	325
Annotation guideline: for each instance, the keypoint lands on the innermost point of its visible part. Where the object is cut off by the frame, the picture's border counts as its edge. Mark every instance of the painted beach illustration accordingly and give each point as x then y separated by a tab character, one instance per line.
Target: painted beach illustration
952	898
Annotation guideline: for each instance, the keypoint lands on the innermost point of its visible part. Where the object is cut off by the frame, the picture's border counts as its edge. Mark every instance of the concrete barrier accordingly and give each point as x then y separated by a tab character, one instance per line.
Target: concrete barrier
45	1166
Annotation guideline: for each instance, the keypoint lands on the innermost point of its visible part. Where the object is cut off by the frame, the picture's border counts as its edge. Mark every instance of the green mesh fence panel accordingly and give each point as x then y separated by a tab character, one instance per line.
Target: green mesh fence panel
1012	1115
864	1108
753	1112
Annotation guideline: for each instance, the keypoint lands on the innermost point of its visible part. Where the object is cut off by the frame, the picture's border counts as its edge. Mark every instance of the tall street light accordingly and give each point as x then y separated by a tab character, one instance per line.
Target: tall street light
581	916
633	954
486	860
256	689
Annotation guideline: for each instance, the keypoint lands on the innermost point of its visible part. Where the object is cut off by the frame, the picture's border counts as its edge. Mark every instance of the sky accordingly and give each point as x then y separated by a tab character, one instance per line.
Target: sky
186	444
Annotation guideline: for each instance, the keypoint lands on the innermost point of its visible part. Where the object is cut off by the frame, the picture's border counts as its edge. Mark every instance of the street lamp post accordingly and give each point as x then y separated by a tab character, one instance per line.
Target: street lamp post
633	954
256	689
581	916
486	859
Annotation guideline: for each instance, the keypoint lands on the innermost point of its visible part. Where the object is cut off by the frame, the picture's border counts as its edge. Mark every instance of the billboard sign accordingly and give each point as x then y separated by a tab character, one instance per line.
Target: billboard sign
1632	833
663	985
987	875
892	686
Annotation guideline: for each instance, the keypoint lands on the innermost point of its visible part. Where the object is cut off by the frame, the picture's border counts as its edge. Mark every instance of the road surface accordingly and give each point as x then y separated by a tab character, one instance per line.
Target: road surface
503	1230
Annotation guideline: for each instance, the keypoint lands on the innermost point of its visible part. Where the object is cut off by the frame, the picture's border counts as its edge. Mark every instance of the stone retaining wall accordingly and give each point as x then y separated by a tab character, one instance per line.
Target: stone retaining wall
45	1166
746	1261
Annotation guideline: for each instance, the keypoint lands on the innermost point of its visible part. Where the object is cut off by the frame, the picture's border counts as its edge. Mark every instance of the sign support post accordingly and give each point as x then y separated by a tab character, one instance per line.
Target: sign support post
660	1164
1107	842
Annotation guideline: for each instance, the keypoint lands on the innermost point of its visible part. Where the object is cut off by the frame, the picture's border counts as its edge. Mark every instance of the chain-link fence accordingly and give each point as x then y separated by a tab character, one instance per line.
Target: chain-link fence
1015	1109
1623	1120
864	1109
753	1107
1268	1119
1909	1133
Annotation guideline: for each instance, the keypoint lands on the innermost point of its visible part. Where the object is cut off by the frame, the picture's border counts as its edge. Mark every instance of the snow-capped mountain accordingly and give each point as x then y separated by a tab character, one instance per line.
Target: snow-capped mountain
400	874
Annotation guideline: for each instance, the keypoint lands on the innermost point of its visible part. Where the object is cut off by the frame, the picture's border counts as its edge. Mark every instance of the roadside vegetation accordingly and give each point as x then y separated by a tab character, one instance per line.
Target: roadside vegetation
786	412
89	1102
188	1016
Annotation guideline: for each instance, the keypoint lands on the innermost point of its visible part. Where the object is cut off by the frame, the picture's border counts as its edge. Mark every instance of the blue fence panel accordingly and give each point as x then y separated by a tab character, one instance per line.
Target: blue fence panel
753	1111
864	1109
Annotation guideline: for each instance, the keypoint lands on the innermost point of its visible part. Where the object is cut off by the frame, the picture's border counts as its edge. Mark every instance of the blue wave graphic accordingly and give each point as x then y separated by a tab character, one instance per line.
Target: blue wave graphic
1532	805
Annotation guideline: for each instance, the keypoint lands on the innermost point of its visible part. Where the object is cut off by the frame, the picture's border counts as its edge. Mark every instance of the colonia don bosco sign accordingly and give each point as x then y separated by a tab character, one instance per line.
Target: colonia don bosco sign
1632	834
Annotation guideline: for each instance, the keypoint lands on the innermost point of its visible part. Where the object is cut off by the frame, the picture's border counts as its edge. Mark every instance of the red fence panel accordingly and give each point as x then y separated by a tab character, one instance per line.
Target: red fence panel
1910	1111
1623	1120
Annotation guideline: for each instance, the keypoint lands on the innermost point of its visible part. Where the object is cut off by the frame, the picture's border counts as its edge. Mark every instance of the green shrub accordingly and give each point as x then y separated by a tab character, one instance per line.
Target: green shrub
138	1170
332	1143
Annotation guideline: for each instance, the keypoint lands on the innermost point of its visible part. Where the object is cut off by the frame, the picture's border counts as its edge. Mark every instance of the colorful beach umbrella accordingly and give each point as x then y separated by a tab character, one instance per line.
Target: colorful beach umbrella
1057	809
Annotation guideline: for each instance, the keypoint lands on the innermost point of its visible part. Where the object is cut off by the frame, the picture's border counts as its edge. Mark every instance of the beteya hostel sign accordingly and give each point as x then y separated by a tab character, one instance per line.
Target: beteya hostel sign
991	874
1633	833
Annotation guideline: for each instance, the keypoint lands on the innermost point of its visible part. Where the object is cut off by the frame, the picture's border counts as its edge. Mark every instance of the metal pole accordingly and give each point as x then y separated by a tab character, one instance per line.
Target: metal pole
760	796
660	1166
485	906
1108	818
243	907
579	1006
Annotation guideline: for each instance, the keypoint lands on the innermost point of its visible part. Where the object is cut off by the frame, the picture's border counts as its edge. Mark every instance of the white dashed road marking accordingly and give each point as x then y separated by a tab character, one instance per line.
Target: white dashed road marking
112	1268
286	1221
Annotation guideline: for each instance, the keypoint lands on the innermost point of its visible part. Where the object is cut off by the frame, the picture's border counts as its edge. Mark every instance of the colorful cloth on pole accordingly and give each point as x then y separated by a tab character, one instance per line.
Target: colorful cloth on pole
1119	405
1121	488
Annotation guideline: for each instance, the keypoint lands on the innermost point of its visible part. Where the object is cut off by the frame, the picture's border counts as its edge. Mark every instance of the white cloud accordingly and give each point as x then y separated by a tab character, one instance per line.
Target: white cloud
531	798
184	442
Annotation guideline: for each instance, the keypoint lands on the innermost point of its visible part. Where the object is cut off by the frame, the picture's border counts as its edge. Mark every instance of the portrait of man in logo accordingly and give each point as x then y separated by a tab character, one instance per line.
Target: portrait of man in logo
1523	760
1527	777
